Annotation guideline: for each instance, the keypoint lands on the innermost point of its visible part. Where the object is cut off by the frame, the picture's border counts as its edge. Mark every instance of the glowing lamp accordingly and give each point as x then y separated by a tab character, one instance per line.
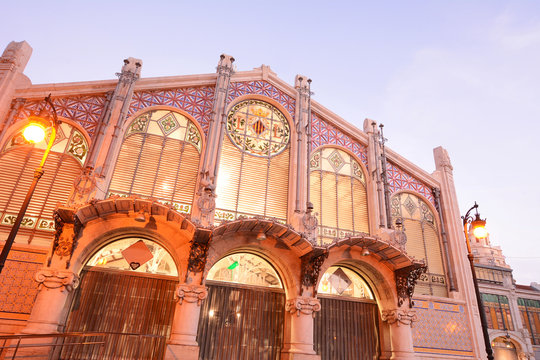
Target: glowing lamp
479	227
34	132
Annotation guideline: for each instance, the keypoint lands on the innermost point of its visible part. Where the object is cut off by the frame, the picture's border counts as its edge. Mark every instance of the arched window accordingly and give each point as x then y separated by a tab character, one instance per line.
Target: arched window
112	256
338	194
159	158
253	174
341	281
18	160
245	268
423	241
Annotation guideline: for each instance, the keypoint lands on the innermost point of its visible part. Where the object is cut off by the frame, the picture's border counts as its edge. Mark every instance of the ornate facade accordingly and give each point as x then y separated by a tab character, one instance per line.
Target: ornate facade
272	228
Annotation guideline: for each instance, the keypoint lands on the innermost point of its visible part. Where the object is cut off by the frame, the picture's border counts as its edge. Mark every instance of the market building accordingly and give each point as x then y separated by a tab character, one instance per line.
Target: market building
262	224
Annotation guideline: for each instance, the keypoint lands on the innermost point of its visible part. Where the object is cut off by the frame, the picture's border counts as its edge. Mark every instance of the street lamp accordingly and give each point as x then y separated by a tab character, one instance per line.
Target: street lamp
478	227
34	132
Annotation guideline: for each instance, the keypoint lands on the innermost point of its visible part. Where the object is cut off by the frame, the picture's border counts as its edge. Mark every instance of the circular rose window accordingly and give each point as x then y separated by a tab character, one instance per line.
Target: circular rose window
258	128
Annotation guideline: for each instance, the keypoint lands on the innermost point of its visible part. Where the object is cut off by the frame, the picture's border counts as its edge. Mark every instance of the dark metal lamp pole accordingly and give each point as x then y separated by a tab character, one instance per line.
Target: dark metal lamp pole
42	120
478	226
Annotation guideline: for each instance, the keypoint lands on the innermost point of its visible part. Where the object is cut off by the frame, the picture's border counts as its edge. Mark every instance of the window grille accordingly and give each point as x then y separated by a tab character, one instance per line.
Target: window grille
338	194
159	159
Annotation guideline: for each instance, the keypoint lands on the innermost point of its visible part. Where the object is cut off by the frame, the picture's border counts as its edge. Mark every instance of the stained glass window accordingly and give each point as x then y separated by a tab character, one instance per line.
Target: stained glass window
338	193
253	178
245	268
258	128
341	281
111	257
421	231
18	160
159	158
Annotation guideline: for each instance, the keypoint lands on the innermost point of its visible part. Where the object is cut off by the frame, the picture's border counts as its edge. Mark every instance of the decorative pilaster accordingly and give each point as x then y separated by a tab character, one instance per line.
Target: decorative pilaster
303	306
12	64
300	312
399	316
16	106
189	296
54	287
375	191
456	243
203	212
106	145
400	322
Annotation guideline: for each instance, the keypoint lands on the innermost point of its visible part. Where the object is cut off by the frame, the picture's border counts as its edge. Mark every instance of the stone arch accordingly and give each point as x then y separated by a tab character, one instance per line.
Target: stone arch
105	221
281	246
519	344
425	200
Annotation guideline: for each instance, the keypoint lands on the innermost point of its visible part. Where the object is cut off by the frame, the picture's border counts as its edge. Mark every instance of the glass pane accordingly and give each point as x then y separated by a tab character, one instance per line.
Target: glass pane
244	268
111	257
341	281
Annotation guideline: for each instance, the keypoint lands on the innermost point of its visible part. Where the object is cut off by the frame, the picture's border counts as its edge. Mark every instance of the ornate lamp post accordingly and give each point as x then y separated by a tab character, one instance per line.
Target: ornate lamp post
34	132
479	230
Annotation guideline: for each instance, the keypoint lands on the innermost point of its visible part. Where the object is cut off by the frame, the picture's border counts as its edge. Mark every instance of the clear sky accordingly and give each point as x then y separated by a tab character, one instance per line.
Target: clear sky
461	74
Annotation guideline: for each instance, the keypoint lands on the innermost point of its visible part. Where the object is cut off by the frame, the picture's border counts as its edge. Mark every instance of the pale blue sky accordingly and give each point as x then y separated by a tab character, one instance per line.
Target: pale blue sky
461	74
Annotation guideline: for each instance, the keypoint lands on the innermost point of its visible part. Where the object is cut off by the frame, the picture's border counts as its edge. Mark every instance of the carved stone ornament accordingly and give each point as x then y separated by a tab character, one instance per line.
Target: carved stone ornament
311	265
303	305
310	222
190	293
406	280
56	279
206	201
403	317
199	250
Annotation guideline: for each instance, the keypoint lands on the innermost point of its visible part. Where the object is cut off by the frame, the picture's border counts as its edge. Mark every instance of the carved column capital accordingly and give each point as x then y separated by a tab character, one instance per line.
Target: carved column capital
57	279
303	305
190	293
399	316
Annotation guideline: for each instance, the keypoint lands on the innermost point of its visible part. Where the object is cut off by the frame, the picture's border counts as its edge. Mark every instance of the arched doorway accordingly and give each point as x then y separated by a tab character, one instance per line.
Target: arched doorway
347	327
127	291
242	318
504	349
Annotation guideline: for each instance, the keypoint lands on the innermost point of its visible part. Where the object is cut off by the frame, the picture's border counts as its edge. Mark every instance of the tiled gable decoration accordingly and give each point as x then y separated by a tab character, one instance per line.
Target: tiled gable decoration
322	133
85	110
196	101
264	88
398	179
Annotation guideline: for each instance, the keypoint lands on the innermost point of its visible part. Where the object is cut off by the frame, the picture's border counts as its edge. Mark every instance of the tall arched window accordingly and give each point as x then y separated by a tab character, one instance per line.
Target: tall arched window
159	158
423	241
338	194
18	160
253	174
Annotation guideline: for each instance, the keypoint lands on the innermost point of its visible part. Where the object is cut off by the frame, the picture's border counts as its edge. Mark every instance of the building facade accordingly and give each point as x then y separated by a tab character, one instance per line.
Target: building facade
512	310
227	215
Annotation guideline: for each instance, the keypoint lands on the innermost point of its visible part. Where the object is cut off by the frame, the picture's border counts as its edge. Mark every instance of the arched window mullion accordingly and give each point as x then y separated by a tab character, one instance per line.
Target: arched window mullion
182	148
164	140
21	172
145	135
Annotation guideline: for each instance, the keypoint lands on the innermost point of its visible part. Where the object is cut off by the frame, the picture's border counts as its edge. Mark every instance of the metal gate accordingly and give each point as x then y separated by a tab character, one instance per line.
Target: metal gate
241	322
347	329
135	310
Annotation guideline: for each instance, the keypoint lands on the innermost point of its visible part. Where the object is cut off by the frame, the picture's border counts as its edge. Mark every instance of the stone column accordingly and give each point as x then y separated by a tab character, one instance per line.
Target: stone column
400	321
457	246
299	316
54	287
203	212
375	189
189	295
105	147
183	344
12	64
